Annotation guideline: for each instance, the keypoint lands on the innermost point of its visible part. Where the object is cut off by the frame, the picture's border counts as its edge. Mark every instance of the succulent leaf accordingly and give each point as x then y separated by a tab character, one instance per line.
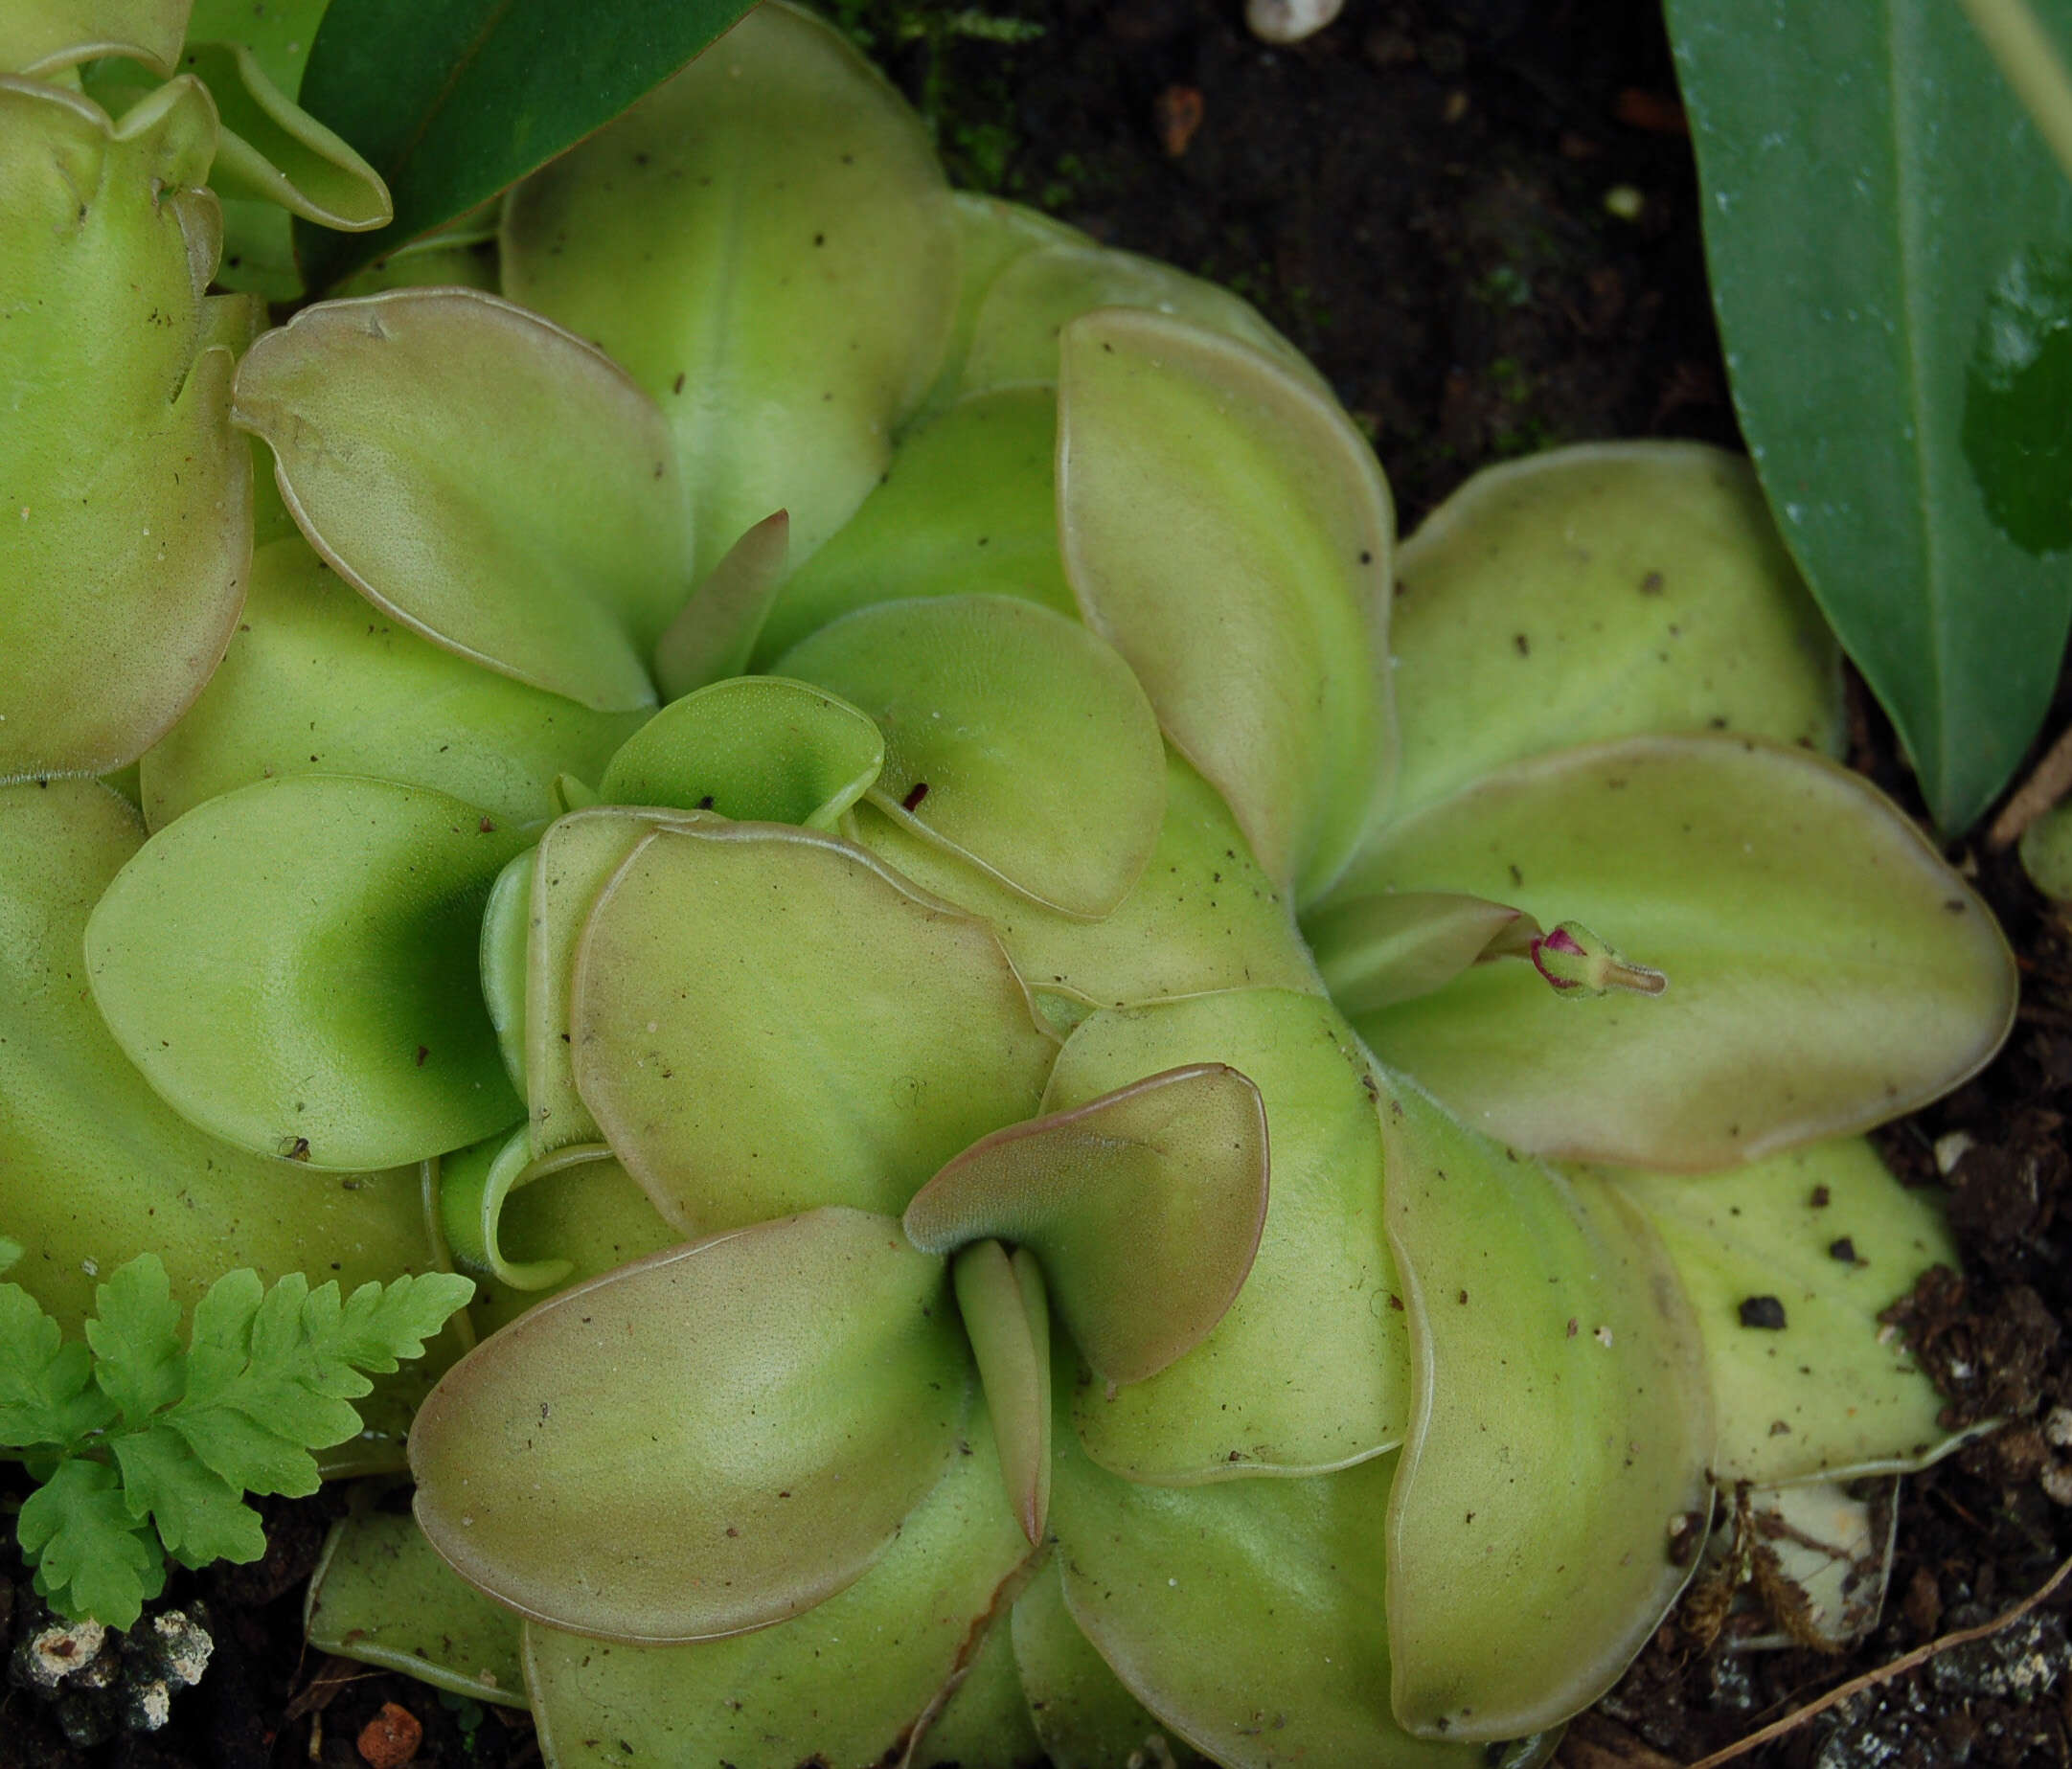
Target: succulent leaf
1827	971
1382	947
1012	735
1015	333
968	506
90	1156
1200	916
714	633
1083	1716
986	1719
759	749
991	234
273	150
382	1596
2047	854
487	478
674	235
315	678
575	860
847	1683
1290	1380
1558	1447
1611	590
1248	1615
1143	1205
473	1184
329	1009
1226	527
713	1439
579	1205
47	37
1006	1317
765	1020
506	955
1834	1239
133	496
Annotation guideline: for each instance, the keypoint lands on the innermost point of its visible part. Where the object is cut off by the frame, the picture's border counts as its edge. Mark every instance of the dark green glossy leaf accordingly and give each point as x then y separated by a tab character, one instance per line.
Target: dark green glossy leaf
1892	263
454	100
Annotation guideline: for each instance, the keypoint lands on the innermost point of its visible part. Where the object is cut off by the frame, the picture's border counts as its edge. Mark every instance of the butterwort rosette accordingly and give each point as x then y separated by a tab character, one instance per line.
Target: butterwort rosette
1093	1103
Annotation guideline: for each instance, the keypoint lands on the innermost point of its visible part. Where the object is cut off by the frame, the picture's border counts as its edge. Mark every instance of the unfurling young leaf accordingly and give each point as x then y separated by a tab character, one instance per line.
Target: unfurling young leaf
156	1447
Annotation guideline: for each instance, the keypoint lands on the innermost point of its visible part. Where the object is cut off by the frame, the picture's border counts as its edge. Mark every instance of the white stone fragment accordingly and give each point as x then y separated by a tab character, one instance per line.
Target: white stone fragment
1289	21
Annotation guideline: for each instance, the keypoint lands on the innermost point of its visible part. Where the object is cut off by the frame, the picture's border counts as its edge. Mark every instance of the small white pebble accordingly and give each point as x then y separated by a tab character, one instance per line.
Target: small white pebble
2058	1428
1623	202
2056	1483
59	1652
1289	21
1949	1150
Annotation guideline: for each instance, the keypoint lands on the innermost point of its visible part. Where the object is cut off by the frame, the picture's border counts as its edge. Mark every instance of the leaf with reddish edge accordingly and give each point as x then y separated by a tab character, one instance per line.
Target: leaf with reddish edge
1247	1615
765	1020
846	1685
1292	1380
1227	529
491	479
1826	971
1145	1205
1558	1447
1007	1318
559	1469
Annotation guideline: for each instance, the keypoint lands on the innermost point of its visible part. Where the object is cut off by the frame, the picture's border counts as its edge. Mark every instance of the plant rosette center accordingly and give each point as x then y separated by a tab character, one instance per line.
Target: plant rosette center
1091	1101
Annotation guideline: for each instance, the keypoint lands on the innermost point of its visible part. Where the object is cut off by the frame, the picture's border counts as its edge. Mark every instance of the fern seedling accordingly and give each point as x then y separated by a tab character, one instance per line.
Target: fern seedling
146	1450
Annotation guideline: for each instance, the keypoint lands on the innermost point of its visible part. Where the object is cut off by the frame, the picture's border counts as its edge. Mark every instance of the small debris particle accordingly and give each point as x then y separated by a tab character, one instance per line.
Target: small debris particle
1778	1429
2056	1480
1602	1334
1623	202
677	387
1177	113
1822	1197
390	1738
1651	111
485	827
1572	1326
2058	1427
1464	1299
1456	106
1844	1250
1524	645
423	1052
1652	584
1686	1530
1764	1311
1949	1150
915	793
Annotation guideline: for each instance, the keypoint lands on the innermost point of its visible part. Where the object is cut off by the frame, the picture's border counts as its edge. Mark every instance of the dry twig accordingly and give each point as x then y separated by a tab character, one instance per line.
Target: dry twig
2048	781
1885	1673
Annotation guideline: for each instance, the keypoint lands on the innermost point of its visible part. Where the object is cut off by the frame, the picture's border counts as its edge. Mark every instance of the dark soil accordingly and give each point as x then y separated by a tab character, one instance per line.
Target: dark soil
1419	198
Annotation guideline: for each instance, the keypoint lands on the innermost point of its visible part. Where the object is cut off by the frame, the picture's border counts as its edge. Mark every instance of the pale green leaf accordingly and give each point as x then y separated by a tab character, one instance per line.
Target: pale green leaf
95	1167
764	1020
1826	970
1835	1240
758	749
135	1336
1308	1371
969	505
200	1517
329	1009
1012	735
44	36
674	237
559	1469
382	1596
48	1396
1560	1438
1611	590
317	679
1006	1316
491	481
1227	528
127	534
843	1683
1145	1205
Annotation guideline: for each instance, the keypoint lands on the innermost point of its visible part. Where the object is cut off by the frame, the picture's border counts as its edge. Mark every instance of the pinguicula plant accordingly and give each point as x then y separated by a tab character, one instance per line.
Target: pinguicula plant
1090	1102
